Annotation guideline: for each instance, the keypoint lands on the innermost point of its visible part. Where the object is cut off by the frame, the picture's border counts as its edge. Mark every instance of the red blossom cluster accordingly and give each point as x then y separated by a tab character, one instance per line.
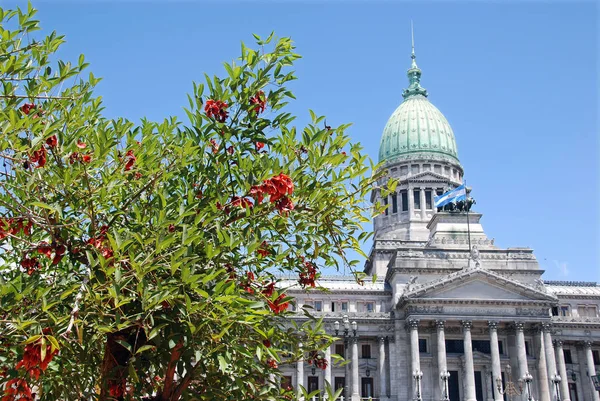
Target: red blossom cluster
31	263
243	203
272	363
14	226
269	289
101	243
259	146
308	275
247	284
259	101
278	188
214	146
264	250
17	389
267	343
32	360
216	109
278	305
129	160
52	141
317	359
27	108
39	157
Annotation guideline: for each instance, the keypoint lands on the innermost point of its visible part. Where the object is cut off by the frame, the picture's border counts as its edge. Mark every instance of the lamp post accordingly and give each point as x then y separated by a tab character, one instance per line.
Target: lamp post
528	379
511	390
418	375
347	335
445	375
556	379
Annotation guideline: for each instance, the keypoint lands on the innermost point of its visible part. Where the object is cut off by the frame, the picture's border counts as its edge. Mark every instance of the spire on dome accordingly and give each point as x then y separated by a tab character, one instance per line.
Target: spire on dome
413	73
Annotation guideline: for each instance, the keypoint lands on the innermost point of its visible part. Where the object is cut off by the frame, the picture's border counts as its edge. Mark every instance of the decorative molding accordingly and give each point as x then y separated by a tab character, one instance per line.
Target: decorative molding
493	325
539	312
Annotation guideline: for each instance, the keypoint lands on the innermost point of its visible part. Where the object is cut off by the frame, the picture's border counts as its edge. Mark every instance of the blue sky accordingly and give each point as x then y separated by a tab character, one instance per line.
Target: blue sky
517	81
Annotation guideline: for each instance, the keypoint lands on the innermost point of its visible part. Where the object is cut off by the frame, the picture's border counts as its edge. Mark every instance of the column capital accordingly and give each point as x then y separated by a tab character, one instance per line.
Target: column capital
466	324
558	343
354	339
546	326
493	325
519	326
440	324
412	323
586	344
381	339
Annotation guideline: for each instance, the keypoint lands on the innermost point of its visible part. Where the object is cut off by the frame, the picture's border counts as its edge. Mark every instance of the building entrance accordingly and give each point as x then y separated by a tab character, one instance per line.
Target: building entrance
478	386
453	389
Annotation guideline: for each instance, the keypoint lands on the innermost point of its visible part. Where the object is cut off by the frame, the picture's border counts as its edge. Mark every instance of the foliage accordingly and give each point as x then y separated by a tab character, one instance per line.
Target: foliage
141	261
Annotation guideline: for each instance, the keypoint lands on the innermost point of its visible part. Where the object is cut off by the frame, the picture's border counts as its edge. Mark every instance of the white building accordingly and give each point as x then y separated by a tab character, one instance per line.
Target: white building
438	310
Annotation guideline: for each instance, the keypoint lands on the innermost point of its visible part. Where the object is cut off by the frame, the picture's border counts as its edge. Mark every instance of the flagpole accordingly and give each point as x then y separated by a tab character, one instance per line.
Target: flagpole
468	225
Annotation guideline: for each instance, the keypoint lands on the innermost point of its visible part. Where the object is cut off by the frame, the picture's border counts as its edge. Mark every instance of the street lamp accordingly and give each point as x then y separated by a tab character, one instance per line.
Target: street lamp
417	375
528	379
511	390
556	379
445	375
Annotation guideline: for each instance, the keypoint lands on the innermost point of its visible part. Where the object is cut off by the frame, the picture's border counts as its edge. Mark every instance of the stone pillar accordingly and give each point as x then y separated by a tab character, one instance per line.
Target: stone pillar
590	368
382	369
355	384
414	354
423	206
521	352
411	201
543	386
469	383
299	374
562	370
550	359
441	353
496	369
327	378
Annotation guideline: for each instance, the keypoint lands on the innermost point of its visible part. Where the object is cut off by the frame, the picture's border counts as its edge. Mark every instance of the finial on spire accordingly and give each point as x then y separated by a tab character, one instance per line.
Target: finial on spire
414	72
412	37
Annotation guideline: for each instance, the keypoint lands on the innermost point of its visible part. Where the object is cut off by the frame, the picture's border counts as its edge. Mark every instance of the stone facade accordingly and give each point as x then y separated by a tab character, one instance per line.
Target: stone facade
450	313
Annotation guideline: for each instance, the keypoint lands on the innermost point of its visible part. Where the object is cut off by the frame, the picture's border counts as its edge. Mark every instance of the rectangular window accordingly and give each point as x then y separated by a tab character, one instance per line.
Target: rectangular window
428	204
403	170
596	357
394	203
344	306
339	349
439	191
338	383
417	199
455	346
369	307
385	202
404	195
333	306
447	170
422	345
366	350
555	311
318	306
437	168
564	311
414	168
527	348
500	347
454	173
482	346
426	167
568	357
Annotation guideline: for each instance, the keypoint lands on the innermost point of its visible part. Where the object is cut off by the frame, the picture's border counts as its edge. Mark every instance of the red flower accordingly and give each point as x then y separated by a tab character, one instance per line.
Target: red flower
52	141
230	150
171	228
214	145
80	144
129	160
269	289
216	109
27	107
308	276
264	249
86	158
267	343
260	102
59	252
241	202
257	193
39	157
278	305
276	187
17	389
284	205
250	276
32	360
259	146
272	363
31	264
45	249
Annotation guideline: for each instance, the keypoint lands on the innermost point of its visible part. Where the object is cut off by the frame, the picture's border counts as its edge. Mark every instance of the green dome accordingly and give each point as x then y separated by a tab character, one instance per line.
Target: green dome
417	129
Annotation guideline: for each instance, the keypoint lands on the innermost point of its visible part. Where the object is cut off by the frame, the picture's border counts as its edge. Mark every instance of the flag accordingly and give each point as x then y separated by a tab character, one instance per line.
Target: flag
455	195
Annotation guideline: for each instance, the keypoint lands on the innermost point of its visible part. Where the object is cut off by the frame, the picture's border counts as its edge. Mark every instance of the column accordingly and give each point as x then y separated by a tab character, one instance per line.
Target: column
414	353
327	378
423	206
411	202
562	371
355	385
469	386
441	353
544	386
521	352
299	374
550	359
496	369
590	368
382	369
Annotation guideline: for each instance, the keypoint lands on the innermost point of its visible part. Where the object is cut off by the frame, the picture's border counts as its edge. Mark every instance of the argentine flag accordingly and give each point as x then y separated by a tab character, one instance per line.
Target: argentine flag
455	195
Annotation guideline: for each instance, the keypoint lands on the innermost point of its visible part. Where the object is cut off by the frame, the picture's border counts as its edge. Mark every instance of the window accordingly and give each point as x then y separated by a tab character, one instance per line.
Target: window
455	346
500	347
555	311
437	168
318	306
596	356
564	311
414	168
454	173
366	350
339	349
339	382
417	199
333	306
587	310
404	195
447	170
527	348
395	203
385	202
428	204
313	383
482	346
403	170
344	306
422	345
369	306
568	357
426	167
286	382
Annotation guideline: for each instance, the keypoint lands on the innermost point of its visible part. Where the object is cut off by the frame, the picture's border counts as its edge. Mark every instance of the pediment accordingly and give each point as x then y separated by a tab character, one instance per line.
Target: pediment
477	284
428	176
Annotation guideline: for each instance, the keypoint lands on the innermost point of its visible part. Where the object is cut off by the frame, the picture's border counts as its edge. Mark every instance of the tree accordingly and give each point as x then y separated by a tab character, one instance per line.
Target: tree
141	261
